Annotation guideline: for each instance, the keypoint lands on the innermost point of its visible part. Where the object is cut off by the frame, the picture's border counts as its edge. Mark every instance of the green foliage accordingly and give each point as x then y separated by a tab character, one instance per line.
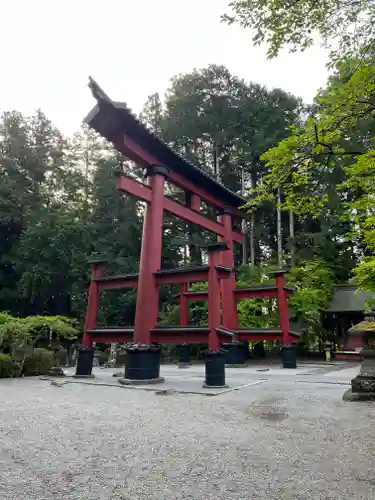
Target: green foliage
257	313
325	167
103	358
348	25
16	332
5	317
313	290
39	362
6	366
364	274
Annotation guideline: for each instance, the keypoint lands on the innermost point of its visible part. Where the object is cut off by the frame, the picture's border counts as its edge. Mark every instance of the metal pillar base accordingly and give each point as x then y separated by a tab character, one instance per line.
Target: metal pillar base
142	364
215	369
289	356
184	360
85	361
149	381
235	353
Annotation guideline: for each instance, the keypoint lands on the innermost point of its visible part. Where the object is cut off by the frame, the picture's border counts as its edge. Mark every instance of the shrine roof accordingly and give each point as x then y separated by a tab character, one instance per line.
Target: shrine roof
347	298
110	119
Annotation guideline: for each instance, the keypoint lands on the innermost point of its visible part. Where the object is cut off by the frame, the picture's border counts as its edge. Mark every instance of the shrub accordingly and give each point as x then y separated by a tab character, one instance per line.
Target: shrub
103	358
6	366
38	363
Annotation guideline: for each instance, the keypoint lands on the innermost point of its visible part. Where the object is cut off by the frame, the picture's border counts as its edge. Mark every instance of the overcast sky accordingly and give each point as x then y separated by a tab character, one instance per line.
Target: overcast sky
132	48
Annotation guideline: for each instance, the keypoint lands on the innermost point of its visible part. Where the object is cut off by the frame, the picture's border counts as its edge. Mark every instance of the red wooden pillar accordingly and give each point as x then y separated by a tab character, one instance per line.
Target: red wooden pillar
147	306
282	306
92	302
184	305
214	309
229	306
195	202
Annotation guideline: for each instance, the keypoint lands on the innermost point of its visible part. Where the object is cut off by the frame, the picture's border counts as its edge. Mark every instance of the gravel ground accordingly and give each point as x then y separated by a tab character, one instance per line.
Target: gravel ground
281	439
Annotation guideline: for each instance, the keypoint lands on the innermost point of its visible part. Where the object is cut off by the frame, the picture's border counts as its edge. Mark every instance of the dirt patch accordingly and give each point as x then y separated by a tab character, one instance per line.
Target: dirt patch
268	413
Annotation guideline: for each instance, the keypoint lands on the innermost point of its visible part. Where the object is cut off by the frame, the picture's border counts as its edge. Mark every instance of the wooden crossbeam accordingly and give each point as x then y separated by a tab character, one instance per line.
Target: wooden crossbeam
130	186
136	153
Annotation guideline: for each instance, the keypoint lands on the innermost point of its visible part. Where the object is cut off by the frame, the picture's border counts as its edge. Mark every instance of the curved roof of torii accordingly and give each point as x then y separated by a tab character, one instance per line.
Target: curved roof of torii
110	119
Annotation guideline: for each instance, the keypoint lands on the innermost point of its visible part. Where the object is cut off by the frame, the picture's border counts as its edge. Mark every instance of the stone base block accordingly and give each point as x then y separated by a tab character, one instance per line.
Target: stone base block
364	383
349	395
56	371
84	376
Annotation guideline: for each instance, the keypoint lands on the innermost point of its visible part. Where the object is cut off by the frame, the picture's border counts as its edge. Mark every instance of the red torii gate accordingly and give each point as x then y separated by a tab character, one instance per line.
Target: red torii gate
117	124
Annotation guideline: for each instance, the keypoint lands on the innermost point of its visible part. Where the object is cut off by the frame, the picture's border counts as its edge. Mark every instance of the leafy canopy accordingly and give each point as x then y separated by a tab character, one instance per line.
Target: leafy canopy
348	26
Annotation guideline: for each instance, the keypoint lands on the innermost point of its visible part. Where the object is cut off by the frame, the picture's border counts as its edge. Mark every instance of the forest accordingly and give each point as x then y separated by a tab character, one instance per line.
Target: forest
308	171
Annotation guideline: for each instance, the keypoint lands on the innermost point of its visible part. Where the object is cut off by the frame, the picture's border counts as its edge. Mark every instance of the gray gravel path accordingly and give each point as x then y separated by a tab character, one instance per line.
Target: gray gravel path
276	440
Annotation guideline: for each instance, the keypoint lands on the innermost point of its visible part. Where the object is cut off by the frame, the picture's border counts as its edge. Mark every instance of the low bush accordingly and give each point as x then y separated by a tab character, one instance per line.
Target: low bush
6	366
38	363
103	358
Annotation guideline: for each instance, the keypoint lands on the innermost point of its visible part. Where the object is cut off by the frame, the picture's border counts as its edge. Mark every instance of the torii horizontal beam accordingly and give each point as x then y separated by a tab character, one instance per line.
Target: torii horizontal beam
128	185
134	152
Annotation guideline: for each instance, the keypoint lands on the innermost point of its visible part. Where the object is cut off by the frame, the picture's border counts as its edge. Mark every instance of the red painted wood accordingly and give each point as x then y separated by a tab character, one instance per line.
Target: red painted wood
92	305
239	294
117	284
353	341
128	185
253	336
229	306
191	216
134	152
248	294
197	296
214	313
177	338
112	337
184	305
189	277
283	309
195	202
355	356
148	292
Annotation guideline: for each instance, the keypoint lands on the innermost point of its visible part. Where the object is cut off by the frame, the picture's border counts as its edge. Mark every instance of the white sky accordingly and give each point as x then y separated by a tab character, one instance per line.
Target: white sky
132	48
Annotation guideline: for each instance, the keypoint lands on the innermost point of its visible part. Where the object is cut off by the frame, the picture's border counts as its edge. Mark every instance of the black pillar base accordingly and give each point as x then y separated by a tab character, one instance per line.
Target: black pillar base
215	369
289	356
235	353
85	361
184	360
142	365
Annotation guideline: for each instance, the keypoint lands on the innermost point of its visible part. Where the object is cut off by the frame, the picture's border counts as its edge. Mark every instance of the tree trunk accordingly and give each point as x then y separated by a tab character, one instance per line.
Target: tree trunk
291	239
244	225
279	231
216	153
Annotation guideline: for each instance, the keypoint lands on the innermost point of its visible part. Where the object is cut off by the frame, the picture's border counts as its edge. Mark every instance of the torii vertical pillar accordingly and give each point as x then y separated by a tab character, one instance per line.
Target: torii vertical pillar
143	358
215	362
92	302
288	350
229	306
85	353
